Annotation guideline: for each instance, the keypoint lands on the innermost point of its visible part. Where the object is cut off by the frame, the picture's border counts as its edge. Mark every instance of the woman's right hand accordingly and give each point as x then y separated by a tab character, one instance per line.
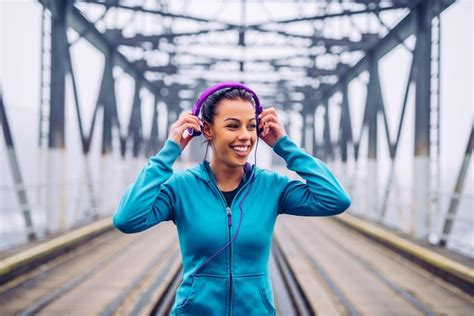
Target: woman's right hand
186	120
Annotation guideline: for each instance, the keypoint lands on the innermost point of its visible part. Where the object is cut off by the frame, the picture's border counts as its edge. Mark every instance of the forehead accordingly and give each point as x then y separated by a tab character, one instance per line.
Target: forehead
241	109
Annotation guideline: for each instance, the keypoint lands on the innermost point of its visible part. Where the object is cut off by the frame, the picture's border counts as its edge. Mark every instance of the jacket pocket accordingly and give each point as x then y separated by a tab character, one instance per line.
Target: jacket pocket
252	296
207	296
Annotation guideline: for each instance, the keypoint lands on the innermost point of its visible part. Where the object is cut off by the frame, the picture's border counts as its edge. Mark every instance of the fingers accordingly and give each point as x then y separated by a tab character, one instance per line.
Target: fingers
267	116
187	120
185	125
189	117
270	110
270	126
178	130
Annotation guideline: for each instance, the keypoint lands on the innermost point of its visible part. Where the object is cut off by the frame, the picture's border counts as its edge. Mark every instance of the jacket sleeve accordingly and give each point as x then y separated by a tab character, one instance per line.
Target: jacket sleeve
151	198
321	195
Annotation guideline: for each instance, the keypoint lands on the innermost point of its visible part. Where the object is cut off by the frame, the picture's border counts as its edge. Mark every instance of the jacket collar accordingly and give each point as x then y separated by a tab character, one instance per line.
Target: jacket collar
203	171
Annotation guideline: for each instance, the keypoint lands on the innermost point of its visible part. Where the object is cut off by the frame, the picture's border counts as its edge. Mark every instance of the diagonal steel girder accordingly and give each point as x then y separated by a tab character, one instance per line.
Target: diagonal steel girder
380	48
89	32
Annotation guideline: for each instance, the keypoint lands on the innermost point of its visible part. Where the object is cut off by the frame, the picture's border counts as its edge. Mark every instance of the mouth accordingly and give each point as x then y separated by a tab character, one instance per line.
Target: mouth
241	150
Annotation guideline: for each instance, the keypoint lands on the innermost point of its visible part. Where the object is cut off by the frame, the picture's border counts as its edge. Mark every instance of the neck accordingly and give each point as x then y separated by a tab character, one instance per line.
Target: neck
227	177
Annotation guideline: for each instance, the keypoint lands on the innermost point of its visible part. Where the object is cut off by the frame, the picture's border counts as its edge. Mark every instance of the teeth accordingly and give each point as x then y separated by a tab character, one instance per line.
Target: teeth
241	148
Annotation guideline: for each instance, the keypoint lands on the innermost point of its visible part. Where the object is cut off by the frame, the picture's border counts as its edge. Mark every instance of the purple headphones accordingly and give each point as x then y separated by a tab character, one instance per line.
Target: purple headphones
223	85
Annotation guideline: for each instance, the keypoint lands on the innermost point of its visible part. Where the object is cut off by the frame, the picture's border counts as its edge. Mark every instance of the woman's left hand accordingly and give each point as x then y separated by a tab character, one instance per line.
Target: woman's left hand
272	126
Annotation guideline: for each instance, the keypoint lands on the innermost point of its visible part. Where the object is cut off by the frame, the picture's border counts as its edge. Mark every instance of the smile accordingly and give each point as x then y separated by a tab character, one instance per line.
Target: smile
241	150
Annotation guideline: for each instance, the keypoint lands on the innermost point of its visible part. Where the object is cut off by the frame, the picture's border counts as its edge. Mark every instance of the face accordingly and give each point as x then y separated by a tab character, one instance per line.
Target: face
233	133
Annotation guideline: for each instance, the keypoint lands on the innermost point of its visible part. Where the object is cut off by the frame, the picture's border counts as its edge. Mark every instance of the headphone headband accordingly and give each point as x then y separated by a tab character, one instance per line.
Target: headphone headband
223	85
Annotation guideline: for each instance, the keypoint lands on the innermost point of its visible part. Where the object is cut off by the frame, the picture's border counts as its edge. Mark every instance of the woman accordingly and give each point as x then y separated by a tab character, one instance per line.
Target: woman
225	210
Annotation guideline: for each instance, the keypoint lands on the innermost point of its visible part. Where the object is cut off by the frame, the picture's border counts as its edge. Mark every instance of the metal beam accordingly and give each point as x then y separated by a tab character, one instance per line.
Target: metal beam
152	144
373	105
456	196
107	99
317	39
346	126
401	31
76	100
81	25
422	77
423	81
332	15
135	123
56	135
327	144
117	37
394	146
154	11
15	168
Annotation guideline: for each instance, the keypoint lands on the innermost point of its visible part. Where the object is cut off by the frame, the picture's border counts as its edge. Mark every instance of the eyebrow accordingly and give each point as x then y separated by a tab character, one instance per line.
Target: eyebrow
235	119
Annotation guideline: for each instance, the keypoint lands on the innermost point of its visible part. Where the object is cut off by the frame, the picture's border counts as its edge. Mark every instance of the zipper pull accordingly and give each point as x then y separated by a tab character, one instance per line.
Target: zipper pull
229	216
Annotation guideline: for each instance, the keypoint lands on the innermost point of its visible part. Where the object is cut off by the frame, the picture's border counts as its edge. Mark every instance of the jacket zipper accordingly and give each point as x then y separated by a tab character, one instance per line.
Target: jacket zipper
229	234
229	225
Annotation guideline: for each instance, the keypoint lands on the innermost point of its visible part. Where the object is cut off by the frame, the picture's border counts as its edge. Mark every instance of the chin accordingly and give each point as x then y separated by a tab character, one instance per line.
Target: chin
238	162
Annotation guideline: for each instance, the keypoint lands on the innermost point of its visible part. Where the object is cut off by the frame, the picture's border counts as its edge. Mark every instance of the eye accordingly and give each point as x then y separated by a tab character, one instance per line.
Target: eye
234	126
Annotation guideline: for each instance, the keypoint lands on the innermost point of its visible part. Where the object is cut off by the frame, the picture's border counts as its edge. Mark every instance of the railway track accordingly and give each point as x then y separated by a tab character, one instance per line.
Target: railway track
360	277
114	273
317	266
67	284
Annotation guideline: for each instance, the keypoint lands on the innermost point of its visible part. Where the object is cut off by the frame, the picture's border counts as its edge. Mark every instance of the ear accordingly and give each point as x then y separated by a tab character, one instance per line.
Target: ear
207	131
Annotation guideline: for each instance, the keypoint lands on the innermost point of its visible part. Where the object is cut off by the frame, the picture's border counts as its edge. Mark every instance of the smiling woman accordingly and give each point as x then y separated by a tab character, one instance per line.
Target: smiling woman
232	136
226	266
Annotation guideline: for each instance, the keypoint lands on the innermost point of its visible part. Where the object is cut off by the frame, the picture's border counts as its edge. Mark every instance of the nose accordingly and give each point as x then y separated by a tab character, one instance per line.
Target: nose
244	133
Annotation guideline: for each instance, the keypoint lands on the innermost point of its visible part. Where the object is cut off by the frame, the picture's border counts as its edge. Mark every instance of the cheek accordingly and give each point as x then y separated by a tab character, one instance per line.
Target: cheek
222	142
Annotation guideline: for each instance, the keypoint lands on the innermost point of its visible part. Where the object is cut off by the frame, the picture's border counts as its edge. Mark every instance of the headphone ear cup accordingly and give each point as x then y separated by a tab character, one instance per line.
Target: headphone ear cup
259	130
193	132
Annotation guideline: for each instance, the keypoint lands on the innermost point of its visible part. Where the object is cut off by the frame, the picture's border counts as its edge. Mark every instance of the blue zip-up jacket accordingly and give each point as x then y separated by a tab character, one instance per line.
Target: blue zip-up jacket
236	281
